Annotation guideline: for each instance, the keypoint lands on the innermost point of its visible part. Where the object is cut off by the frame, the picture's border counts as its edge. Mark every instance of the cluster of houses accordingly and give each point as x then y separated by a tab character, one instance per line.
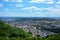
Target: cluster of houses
34	31
27	26
37	32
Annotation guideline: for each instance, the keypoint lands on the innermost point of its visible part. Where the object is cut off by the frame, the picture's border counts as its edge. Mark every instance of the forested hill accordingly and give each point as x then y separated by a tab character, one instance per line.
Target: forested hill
8	32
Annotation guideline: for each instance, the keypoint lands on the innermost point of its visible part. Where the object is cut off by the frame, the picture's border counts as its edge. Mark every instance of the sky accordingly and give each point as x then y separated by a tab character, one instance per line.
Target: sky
29	8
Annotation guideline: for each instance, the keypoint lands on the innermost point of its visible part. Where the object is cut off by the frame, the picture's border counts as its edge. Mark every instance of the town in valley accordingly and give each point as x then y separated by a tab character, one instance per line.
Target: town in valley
35	26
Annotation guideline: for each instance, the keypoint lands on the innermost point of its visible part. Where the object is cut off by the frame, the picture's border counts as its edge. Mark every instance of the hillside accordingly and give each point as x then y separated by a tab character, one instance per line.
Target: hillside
8	32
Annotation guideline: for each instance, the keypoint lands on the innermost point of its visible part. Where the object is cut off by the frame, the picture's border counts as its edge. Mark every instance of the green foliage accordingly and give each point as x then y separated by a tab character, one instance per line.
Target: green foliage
51	29
8	32
54	37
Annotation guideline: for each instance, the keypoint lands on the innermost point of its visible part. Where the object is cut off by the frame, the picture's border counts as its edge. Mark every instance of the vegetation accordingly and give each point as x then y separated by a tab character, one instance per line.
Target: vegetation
51	29
55	30
8	32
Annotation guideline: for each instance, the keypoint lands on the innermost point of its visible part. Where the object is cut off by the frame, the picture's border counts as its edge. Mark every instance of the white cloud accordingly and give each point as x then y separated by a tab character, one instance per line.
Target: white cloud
16	0
1	5
57	6
31	8
6	0
42	1
19	5
58	2
13	0
51	12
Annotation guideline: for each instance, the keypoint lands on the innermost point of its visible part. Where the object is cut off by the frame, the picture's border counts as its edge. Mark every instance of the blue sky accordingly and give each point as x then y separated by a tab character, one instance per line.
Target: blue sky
29	8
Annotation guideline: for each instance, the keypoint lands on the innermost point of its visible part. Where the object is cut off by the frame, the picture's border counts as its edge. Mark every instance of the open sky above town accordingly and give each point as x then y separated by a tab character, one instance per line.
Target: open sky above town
29	8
